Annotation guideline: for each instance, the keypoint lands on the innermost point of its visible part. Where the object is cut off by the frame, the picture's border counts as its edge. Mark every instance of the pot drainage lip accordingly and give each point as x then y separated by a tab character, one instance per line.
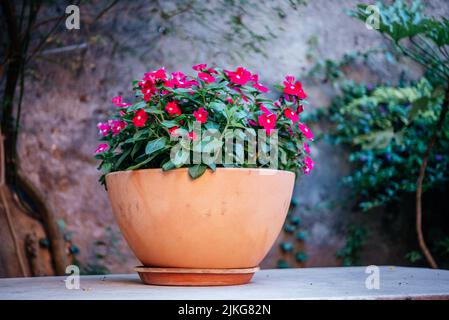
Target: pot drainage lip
195	270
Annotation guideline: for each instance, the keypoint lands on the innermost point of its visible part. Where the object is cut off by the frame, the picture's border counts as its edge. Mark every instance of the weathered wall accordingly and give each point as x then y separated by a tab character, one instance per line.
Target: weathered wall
68	93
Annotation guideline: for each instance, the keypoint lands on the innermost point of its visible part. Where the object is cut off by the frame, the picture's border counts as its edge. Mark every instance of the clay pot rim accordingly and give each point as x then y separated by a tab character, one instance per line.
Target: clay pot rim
217	169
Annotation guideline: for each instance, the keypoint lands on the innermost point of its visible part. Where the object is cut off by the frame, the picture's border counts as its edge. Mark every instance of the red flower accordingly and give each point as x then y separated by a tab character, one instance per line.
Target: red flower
293	87
206	77
200	115
308	165
306	131
101	148
240	76
173	130
199	67
179	80
192	135
300	109
148	88
172	108
140	118
265	109
268	122
290	114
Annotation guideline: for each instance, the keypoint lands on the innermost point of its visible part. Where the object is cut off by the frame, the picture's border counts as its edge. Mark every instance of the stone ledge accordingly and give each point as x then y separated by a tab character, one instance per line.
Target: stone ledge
309	283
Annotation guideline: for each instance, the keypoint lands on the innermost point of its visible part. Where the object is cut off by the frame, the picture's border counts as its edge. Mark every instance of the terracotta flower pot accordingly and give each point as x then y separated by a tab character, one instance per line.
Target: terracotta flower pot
227	219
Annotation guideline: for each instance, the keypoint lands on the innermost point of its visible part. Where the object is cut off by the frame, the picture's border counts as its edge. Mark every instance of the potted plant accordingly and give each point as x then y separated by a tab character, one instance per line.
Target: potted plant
200	172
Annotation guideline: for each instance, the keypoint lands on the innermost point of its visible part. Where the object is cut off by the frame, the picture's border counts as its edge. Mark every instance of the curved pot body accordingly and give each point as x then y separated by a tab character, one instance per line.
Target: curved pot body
229	218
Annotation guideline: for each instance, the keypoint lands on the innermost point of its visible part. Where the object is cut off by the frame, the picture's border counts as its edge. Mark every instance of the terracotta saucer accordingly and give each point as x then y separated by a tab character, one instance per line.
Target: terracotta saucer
194	277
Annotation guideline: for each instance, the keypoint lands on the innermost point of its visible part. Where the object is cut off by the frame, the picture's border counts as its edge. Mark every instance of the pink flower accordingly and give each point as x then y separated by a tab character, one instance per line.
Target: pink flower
290	114
104	128
172	108
118	101
268	122
306	131
293	87
101	148
229	100
206	77
265	109
199	67
252	122
179	80
140	118
117	126
200	115
257	84
260	87
156	75
240	76
306	148
308	165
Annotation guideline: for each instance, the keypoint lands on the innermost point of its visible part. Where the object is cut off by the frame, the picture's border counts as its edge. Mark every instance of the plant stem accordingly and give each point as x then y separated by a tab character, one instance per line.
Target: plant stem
419	183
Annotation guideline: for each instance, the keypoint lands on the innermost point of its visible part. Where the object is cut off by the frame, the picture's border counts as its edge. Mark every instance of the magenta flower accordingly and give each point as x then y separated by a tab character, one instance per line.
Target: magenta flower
101	148
199	67
104	128
117	126
306	148
118	101
156	75
306	131
290	114
257	84
206	77
265	110
268	122
308	165
240	76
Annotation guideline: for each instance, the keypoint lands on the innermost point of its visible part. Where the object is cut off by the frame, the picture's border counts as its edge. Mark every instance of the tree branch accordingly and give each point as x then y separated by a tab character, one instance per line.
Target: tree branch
419	183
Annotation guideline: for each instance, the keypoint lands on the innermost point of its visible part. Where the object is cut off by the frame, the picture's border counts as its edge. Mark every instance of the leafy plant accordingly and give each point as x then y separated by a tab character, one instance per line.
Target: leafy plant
355	239
386	133
178	119
426	41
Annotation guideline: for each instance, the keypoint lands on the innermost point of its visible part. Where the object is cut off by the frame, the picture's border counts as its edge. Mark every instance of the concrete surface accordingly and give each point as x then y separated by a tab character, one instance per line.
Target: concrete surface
310	283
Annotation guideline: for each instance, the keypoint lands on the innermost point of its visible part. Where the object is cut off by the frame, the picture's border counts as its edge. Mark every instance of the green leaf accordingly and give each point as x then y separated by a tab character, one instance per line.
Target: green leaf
155	145
197	170
168	166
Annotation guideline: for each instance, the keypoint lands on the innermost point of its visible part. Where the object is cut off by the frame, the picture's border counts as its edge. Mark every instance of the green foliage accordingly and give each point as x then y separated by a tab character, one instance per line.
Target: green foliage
386	130
355	239
428	37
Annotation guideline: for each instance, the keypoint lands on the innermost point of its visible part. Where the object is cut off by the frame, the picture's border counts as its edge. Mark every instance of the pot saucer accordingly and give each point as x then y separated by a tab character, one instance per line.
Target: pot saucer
194	277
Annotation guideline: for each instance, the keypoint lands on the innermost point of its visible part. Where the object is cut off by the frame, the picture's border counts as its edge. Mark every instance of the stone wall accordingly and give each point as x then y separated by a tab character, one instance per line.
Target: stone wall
68	93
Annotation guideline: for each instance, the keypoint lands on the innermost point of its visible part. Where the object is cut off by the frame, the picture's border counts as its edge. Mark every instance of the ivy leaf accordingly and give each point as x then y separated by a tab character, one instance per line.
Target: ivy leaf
155	145
197	171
